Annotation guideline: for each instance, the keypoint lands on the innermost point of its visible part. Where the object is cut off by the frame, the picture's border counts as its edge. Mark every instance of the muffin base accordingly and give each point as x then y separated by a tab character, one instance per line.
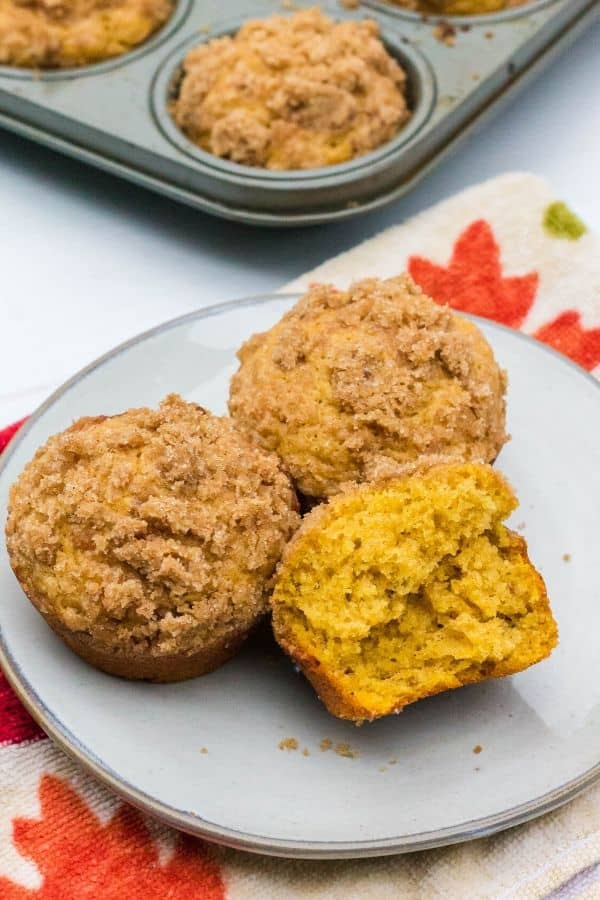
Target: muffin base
310	636
139	667
160	669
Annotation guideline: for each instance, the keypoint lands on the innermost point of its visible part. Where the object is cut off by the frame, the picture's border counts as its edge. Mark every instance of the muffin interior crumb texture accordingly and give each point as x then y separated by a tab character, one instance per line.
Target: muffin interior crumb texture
395	592
154	533
49	34
292	92
358	385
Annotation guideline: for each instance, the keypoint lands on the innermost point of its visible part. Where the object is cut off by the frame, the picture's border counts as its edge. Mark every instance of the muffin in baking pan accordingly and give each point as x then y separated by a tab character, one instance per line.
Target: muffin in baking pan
396	591
292	92
148	540
365	383
459	7
57	34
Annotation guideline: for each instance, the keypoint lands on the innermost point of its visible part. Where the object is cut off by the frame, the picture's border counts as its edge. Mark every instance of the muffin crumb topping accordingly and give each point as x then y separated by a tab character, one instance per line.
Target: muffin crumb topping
292	92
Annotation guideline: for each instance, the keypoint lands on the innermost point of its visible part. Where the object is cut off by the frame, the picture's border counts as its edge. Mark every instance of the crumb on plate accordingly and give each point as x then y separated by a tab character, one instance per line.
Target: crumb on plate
346	750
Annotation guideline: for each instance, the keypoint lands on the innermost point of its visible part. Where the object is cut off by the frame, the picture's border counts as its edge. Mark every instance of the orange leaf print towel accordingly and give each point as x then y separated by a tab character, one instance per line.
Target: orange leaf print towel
79	858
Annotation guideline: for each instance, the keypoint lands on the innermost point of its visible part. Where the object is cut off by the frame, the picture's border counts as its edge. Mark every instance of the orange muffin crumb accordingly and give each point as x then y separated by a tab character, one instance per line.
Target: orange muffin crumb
393	592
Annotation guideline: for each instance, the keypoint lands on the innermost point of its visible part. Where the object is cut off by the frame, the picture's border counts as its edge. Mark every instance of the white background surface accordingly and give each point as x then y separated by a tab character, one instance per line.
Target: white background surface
88	260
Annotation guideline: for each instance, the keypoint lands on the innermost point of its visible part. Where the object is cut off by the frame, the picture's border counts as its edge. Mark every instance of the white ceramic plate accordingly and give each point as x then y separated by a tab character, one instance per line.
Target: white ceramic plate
539	731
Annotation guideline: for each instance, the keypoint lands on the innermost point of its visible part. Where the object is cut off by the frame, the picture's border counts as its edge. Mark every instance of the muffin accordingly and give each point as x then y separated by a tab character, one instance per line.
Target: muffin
362	384
293	92
393	592
148	540
459	7
55	34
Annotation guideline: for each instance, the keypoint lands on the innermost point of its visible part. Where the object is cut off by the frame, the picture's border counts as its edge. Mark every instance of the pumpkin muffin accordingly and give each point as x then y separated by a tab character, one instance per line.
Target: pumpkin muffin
394	592
366	383
56	34
148	540
459	7
293	92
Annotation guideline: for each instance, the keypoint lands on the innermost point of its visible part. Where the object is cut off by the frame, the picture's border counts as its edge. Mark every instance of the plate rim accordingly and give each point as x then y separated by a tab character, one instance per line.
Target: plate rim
195	824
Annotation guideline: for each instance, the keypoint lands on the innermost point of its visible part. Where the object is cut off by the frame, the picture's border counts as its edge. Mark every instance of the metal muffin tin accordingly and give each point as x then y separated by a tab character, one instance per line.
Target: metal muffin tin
115	114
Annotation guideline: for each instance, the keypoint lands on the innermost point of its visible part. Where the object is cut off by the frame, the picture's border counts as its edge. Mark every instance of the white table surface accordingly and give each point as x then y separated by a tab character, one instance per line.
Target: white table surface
88	260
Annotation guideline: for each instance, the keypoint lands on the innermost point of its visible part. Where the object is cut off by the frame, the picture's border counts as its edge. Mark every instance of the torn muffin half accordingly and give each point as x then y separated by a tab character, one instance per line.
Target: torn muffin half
393	592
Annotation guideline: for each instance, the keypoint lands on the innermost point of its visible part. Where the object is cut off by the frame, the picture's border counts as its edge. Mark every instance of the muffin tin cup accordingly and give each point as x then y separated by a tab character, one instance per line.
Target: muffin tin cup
482	20
115	114
358	179
154	42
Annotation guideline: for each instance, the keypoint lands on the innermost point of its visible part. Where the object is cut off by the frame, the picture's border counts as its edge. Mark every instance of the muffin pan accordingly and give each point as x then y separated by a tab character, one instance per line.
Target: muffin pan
115	114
